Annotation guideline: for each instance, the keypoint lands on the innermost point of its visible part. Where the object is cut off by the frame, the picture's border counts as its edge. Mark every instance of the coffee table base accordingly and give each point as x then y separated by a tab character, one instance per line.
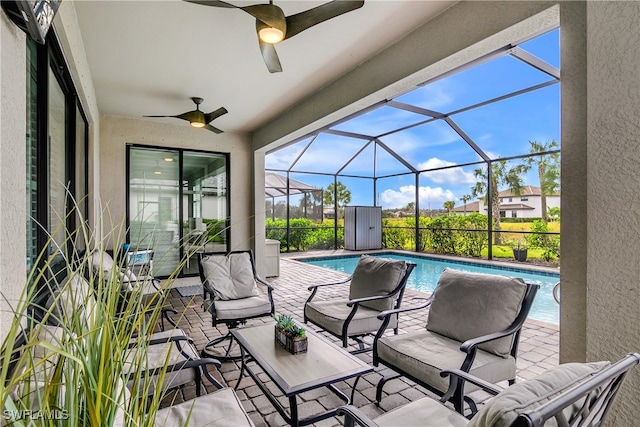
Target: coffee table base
291	417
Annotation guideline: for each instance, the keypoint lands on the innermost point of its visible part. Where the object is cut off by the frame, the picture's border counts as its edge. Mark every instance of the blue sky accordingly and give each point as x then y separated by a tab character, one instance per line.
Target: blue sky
501	129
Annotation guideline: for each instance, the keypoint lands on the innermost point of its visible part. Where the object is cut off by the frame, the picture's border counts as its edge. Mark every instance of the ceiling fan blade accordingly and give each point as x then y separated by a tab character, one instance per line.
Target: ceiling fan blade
270	14
270	56
303	20
215	114
213	129
214	3
190	115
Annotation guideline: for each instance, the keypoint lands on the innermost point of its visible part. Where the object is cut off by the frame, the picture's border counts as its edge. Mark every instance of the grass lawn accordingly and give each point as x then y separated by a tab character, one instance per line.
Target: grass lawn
506	252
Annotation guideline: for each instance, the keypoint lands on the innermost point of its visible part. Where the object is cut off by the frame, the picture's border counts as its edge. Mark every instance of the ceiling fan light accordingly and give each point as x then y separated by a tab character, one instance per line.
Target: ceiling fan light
197	119
271	35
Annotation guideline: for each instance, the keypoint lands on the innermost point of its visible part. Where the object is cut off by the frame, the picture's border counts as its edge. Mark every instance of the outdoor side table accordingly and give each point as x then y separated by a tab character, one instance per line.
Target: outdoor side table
323	365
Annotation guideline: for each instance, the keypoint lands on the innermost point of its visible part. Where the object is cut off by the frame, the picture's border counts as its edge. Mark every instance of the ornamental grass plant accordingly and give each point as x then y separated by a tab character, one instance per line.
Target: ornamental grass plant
66	357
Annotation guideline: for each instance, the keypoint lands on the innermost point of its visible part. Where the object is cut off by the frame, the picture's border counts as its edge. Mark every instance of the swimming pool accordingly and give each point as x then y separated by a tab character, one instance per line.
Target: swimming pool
425	277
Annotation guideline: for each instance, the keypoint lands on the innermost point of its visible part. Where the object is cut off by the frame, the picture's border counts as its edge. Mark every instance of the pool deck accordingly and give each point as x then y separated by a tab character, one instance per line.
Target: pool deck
538	348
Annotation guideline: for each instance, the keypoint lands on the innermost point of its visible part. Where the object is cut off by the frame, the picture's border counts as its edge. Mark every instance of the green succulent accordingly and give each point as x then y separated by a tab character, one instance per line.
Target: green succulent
286	323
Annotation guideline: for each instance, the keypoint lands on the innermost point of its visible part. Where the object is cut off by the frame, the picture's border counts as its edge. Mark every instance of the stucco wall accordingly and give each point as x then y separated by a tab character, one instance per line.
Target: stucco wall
13	197
613	188
116	132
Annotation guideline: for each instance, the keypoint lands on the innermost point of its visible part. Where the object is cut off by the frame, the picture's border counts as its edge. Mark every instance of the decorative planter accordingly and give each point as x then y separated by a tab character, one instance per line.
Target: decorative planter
520	254
293	345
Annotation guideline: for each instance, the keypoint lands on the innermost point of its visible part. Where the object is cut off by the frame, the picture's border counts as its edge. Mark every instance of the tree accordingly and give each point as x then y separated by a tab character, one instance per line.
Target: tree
553	214
449	205
548	171
343	193
501	176
411	206
465	199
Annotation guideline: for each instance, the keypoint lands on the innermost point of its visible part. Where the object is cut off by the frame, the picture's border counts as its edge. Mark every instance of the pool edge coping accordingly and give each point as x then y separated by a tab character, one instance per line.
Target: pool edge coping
456	259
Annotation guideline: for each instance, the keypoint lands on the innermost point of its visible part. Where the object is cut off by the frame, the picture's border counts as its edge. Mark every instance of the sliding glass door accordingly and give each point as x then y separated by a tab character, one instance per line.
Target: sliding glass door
204	206
177	205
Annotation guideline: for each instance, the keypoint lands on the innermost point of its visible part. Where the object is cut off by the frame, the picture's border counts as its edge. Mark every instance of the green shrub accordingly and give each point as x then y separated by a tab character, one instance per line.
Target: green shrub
393	237
443	237
424	235
472	242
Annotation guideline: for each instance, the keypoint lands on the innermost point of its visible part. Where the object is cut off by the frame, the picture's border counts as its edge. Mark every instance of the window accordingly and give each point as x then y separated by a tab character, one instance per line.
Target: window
177	204
56	151
524	198
514	214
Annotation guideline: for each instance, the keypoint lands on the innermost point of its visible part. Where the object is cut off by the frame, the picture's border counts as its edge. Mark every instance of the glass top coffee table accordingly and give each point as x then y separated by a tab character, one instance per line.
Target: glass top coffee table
323	365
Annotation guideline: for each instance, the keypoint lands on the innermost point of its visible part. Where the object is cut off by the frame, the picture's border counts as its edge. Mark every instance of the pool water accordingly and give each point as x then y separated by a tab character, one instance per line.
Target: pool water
425	277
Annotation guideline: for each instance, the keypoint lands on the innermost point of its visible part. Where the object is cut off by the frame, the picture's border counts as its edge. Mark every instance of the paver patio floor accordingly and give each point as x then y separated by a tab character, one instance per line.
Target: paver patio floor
538	350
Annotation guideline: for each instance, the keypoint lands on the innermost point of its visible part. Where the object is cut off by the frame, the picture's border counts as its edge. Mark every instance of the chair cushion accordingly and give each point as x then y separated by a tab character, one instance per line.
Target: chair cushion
73	298
425	354
242	308
425	411
374	276
222	408
38	369
231	277
503	409
330	315
468	305
159	355
102	261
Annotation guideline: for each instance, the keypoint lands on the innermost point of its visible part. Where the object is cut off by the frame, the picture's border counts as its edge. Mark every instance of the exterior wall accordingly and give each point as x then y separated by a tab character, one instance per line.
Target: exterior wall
613	185
13	197
116	132
535	203
13	172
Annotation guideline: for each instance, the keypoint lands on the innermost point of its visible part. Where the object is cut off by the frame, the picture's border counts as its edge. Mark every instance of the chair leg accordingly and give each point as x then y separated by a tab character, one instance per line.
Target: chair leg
222	353
381	384
472	406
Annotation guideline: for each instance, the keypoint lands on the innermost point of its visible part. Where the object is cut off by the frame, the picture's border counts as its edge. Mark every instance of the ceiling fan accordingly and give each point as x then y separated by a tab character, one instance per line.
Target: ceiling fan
198	119
273	26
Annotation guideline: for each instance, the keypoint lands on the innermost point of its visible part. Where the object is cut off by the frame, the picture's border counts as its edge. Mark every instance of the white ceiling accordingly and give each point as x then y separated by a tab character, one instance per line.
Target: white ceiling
150	57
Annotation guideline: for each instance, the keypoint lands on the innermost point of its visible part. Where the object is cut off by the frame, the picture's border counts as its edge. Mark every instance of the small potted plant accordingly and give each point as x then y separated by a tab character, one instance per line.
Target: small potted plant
289	335
519	248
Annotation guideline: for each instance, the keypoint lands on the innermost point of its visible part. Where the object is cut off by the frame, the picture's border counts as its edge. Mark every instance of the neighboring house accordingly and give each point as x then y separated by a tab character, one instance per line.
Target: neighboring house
526	205
328	213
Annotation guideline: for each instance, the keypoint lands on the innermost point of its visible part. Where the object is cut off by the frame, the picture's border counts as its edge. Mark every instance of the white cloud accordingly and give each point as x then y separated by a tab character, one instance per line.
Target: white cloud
429	198
452	176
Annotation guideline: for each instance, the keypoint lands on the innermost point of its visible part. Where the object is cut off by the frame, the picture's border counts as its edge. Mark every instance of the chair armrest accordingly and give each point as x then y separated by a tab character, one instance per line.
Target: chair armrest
353	414
387	313
165	315
470	345
264	283
312	287
176	339
457	374
200	364
355	301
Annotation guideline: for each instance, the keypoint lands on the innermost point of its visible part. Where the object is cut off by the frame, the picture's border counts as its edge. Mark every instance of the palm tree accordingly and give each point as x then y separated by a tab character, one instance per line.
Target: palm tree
548	171
449	205
465	199
500	176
